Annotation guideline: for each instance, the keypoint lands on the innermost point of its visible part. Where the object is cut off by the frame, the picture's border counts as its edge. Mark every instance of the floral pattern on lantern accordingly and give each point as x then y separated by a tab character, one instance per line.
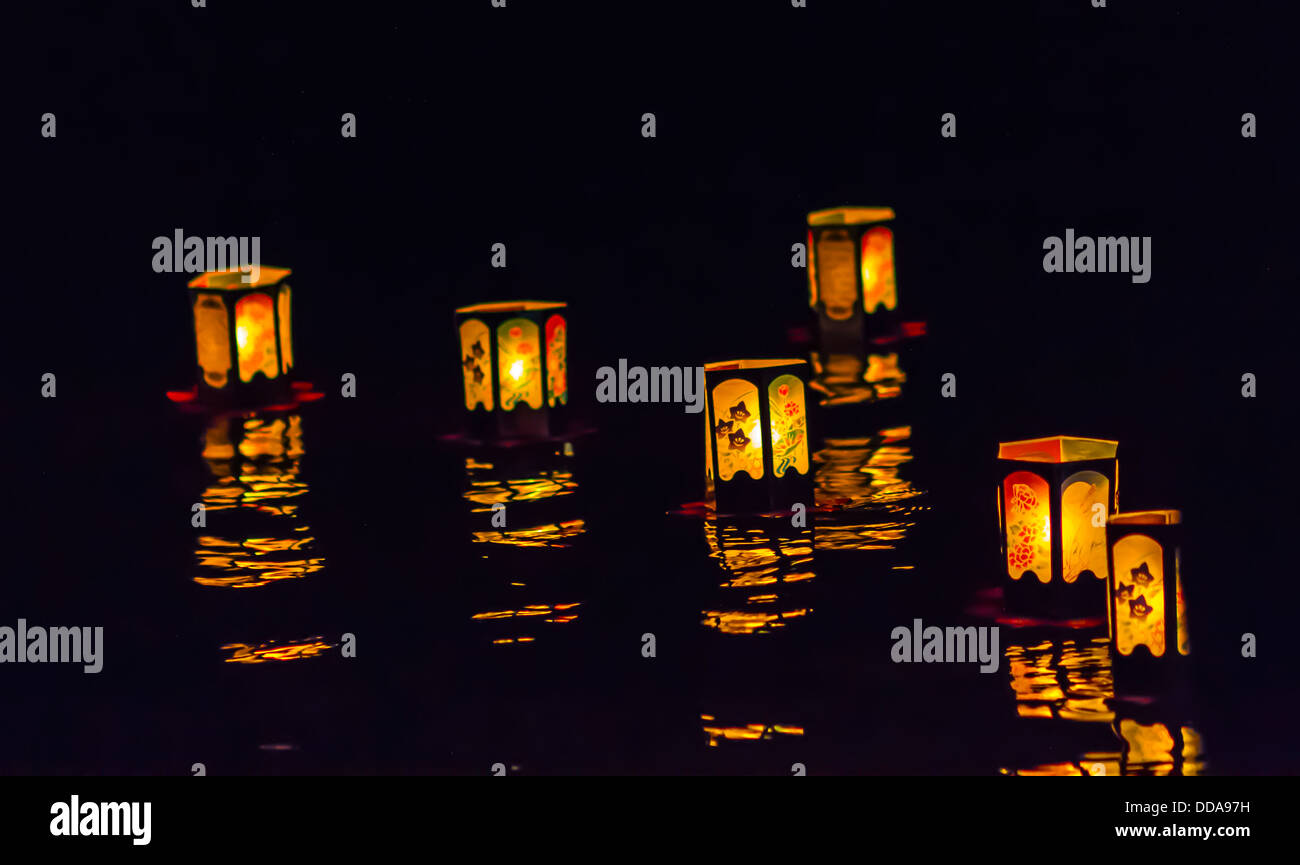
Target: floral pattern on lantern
789	425
1029	526
737	430
1139	595
519	357
476	364
556	367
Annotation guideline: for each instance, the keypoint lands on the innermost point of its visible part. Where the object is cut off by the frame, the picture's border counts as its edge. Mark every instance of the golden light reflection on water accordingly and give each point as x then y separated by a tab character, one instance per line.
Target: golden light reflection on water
255	534
1070	680
762	571
746	732
872	504
242	653
542	481
529	485
847	379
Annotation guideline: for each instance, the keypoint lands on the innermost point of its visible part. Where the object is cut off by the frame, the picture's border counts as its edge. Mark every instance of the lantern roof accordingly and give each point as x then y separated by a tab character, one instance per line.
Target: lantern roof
1167	517
1057	449
513	306
234	279
751	364
850	215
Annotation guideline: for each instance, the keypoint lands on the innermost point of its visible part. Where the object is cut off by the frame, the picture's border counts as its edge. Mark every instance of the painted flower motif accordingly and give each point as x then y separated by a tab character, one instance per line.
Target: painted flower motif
516	332
524	348
1124	593
723	428
1139	608
1021	556
1023	498
783	390
739	412
791	408
1141	575
739	440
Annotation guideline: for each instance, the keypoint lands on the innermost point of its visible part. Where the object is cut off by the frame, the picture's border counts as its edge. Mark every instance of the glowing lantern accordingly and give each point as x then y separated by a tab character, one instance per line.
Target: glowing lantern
851	274
1054	498
1147	615
243	335
513	358
757	455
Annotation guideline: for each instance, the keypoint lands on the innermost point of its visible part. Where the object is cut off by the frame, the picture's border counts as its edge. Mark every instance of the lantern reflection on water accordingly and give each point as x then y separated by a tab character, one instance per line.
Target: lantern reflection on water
514	363
243	335
1054	497
1146	610
254	496
765	562
756	436
522	500
851	274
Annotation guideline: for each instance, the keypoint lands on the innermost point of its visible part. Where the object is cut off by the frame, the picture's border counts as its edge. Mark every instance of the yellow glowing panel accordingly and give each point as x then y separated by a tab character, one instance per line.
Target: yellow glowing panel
878	270
286	335
1184	642
850	215
1083	543
1139	595
1057	449
789	425
212	335
839	284
736	426
476	364
255	336
1029	526
557	370
519	359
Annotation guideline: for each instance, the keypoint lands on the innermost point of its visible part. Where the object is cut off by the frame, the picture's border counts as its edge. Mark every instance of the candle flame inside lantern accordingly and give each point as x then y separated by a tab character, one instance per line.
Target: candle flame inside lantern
517	370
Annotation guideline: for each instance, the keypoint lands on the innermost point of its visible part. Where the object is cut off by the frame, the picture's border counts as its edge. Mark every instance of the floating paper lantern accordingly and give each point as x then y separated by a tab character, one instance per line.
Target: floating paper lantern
757	454
513	358
243	335
851	274
1054	498
1147	614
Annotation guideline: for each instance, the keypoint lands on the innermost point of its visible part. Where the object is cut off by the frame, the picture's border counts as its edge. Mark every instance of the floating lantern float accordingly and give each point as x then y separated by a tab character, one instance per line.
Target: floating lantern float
1146	611
513	358
851	284
1054	499
757	455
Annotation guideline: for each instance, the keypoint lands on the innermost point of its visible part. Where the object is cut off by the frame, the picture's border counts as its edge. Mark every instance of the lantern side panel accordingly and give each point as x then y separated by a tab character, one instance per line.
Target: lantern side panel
557	371
212	336
476	365
789	425
1028	525
286	330
255	336
812	272
736	429
878	270
1083	543
1184	641
839	284
1139	595
520	363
